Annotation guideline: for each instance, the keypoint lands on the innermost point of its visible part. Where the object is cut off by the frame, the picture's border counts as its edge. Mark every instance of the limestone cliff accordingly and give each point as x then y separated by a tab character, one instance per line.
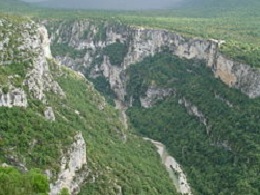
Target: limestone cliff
13	97
30	50
73	170
92	39
26	75
39	79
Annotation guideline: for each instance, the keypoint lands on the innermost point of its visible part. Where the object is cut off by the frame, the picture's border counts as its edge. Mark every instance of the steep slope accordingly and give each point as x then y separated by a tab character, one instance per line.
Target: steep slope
213	131
53	119
201	104
106	49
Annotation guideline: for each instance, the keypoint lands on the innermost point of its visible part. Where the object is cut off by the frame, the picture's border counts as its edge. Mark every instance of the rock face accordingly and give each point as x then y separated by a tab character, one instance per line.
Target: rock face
114	75
154	94
31	51
26	44
142	43
39	78
14	97
49	114
72	170
247	80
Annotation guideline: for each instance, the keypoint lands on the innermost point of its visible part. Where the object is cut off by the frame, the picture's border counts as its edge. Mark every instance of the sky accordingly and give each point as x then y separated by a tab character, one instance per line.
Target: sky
33	0
110	4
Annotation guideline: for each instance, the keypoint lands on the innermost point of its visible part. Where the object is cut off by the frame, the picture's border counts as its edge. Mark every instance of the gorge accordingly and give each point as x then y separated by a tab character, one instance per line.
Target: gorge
78	96
64	127
120	60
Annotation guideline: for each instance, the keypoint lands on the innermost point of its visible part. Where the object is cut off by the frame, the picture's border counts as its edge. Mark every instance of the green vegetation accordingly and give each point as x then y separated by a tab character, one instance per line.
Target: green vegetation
20	136
116	52
102	85
222	159
101	33
28	140
64	191
13	182
62	49
6	72
36	142
133	165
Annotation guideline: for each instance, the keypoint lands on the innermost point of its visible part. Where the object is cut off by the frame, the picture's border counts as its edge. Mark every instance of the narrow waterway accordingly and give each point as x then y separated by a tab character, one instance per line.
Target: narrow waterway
174	169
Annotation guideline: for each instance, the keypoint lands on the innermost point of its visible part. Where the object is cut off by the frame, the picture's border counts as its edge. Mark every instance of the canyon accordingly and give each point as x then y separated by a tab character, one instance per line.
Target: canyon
103	52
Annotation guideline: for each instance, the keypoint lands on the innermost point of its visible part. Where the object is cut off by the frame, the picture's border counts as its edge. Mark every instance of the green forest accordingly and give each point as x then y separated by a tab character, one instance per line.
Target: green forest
221	159
134	165
13	182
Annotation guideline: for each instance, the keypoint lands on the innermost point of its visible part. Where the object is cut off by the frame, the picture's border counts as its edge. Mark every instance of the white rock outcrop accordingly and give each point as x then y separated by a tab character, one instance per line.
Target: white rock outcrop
30	49
39	79
13	97
49	114
73	169
154	94
113	74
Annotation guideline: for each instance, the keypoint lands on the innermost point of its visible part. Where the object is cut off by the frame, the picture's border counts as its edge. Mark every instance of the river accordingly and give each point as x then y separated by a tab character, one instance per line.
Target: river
174	169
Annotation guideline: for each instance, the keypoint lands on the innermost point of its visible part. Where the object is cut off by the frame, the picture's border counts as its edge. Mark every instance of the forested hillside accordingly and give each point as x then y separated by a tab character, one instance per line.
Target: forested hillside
212	130
47	111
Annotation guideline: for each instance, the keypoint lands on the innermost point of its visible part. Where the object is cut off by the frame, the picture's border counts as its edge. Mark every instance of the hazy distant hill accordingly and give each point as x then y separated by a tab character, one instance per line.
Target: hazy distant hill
220	3
112	4
13	5
151	4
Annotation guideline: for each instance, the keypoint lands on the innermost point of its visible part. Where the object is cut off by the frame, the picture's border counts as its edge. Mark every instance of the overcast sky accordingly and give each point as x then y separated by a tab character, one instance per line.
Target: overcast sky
33	0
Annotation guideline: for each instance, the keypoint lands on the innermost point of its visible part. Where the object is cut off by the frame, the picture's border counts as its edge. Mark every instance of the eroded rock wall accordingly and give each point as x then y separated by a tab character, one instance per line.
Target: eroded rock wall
73	168
142	43
39	79
25	44
13	97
